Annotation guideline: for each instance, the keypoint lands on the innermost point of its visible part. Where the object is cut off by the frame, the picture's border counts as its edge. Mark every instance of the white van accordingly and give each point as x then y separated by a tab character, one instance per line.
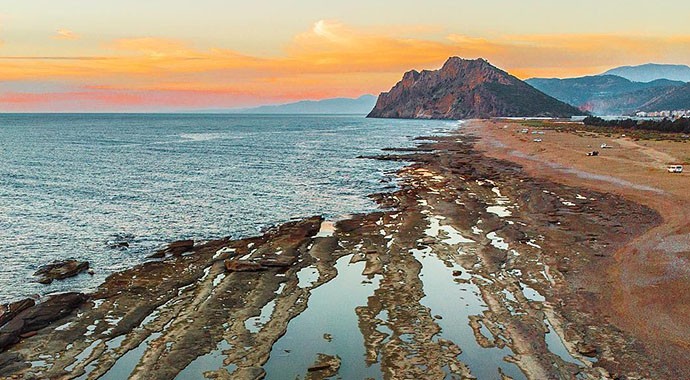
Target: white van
675	169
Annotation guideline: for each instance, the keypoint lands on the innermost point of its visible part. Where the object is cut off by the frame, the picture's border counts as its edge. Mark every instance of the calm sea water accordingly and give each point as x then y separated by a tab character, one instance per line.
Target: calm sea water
71	184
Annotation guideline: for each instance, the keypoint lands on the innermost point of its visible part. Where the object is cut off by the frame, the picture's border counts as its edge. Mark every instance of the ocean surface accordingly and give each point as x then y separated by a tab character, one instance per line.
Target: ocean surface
72	185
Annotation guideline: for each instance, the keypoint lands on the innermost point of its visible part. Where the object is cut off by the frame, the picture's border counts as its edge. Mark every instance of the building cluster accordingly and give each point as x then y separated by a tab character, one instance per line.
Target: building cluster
677	114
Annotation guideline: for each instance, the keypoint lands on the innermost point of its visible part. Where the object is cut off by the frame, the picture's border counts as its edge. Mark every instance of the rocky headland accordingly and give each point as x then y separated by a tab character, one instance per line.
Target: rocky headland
466	89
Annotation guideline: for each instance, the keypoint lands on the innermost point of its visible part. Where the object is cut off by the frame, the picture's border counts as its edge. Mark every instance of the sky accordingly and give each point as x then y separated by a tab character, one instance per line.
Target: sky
160	56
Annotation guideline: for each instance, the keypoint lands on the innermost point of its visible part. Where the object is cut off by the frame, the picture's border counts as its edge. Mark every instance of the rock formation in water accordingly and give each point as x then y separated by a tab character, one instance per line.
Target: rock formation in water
466	89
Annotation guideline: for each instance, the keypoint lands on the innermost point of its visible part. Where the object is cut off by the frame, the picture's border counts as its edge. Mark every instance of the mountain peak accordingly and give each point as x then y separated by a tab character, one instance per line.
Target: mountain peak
466	88
652	71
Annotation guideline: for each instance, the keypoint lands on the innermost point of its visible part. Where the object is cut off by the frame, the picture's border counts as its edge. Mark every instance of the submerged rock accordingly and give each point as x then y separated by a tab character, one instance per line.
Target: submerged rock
324	367
120	241
60	270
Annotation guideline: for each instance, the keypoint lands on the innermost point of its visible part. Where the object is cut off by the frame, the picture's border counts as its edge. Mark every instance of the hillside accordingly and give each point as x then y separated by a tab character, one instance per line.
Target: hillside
652	71
604	94
676	98
464	89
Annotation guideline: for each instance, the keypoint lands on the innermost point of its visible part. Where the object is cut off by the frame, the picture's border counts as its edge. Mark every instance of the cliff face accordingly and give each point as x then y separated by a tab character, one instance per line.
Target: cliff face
466	89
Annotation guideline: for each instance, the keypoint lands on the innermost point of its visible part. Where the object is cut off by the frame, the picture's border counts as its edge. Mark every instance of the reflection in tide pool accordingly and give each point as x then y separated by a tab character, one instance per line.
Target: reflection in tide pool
331	310
209	362
456	302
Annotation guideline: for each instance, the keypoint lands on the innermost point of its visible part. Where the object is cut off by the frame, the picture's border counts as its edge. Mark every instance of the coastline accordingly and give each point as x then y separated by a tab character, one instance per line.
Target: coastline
524	241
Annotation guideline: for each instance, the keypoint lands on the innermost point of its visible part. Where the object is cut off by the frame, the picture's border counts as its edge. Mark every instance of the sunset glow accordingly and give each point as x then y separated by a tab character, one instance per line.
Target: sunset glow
80	66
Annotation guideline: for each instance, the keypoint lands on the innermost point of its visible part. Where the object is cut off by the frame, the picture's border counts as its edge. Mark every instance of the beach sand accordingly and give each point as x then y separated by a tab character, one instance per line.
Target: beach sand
649	282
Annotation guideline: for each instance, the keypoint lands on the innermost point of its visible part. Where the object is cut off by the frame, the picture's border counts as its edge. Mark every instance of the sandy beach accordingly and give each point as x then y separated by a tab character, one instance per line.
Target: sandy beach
648	283
498	257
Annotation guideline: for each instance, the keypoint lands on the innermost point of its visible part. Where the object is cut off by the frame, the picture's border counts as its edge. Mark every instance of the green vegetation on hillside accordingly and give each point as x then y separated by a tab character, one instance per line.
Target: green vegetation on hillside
681	125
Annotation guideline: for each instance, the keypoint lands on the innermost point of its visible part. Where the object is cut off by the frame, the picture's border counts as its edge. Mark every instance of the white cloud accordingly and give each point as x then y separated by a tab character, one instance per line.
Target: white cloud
65	34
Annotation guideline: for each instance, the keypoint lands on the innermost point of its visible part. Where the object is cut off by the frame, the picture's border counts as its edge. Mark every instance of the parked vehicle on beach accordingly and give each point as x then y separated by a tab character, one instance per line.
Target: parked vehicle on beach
606	146
593	153
675	168
537	140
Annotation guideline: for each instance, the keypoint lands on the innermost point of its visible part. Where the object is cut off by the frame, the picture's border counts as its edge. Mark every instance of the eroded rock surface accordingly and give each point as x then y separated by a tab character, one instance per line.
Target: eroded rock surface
472	270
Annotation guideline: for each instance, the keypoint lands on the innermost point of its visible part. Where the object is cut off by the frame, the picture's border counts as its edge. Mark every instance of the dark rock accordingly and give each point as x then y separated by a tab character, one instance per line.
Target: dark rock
118	245
279	261
60	270
38	316
176	248
586	349
511	233
11	362
10	310
28	334
428	240
325	366
120	241
243	266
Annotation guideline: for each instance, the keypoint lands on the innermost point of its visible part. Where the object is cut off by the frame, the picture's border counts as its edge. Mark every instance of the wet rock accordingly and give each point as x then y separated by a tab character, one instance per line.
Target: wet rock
39	316
279	261
118	245
119	241
176	248
428	240
11	362
10	310
60	270
328	337
586	349
457	273
243	266
249	373
513	234
324	367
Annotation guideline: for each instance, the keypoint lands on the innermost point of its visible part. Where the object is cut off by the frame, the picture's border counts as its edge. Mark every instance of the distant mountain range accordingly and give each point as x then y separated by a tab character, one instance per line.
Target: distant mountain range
360	106
464	89
609	94
652	71
604	94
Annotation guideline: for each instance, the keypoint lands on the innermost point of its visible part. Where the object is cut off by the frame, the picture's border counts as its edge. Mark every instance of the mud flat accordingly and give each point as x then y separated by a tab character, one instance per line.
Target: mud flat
475	268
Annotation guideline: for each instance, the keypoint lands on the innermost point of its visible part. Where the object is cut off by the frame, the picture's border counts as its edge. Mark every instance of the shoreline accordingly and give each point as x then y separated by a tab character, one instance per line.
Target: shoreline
497	228
649	278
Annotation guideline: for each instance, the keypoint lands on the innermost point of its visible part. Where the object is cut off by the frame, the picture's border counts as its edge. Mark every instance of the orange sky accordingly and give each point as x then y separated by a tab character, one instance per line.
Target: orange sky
327	59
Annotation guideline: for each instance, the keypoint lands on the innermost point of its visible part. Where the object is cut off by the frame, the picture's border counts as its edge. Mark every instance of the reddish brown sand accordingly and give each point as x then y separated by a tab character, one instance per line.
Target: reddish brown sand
649	282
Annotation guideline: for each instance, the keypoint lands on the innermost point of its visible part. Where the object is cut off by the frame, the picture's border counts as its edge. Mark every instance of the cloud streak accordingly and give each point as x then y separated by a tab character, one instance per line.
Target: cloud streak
65	34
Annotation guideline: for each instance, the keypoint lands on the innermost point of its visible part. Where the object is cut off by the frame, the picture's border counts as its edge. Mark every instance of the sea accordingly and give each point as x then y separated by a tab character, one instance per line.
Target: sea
82	185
